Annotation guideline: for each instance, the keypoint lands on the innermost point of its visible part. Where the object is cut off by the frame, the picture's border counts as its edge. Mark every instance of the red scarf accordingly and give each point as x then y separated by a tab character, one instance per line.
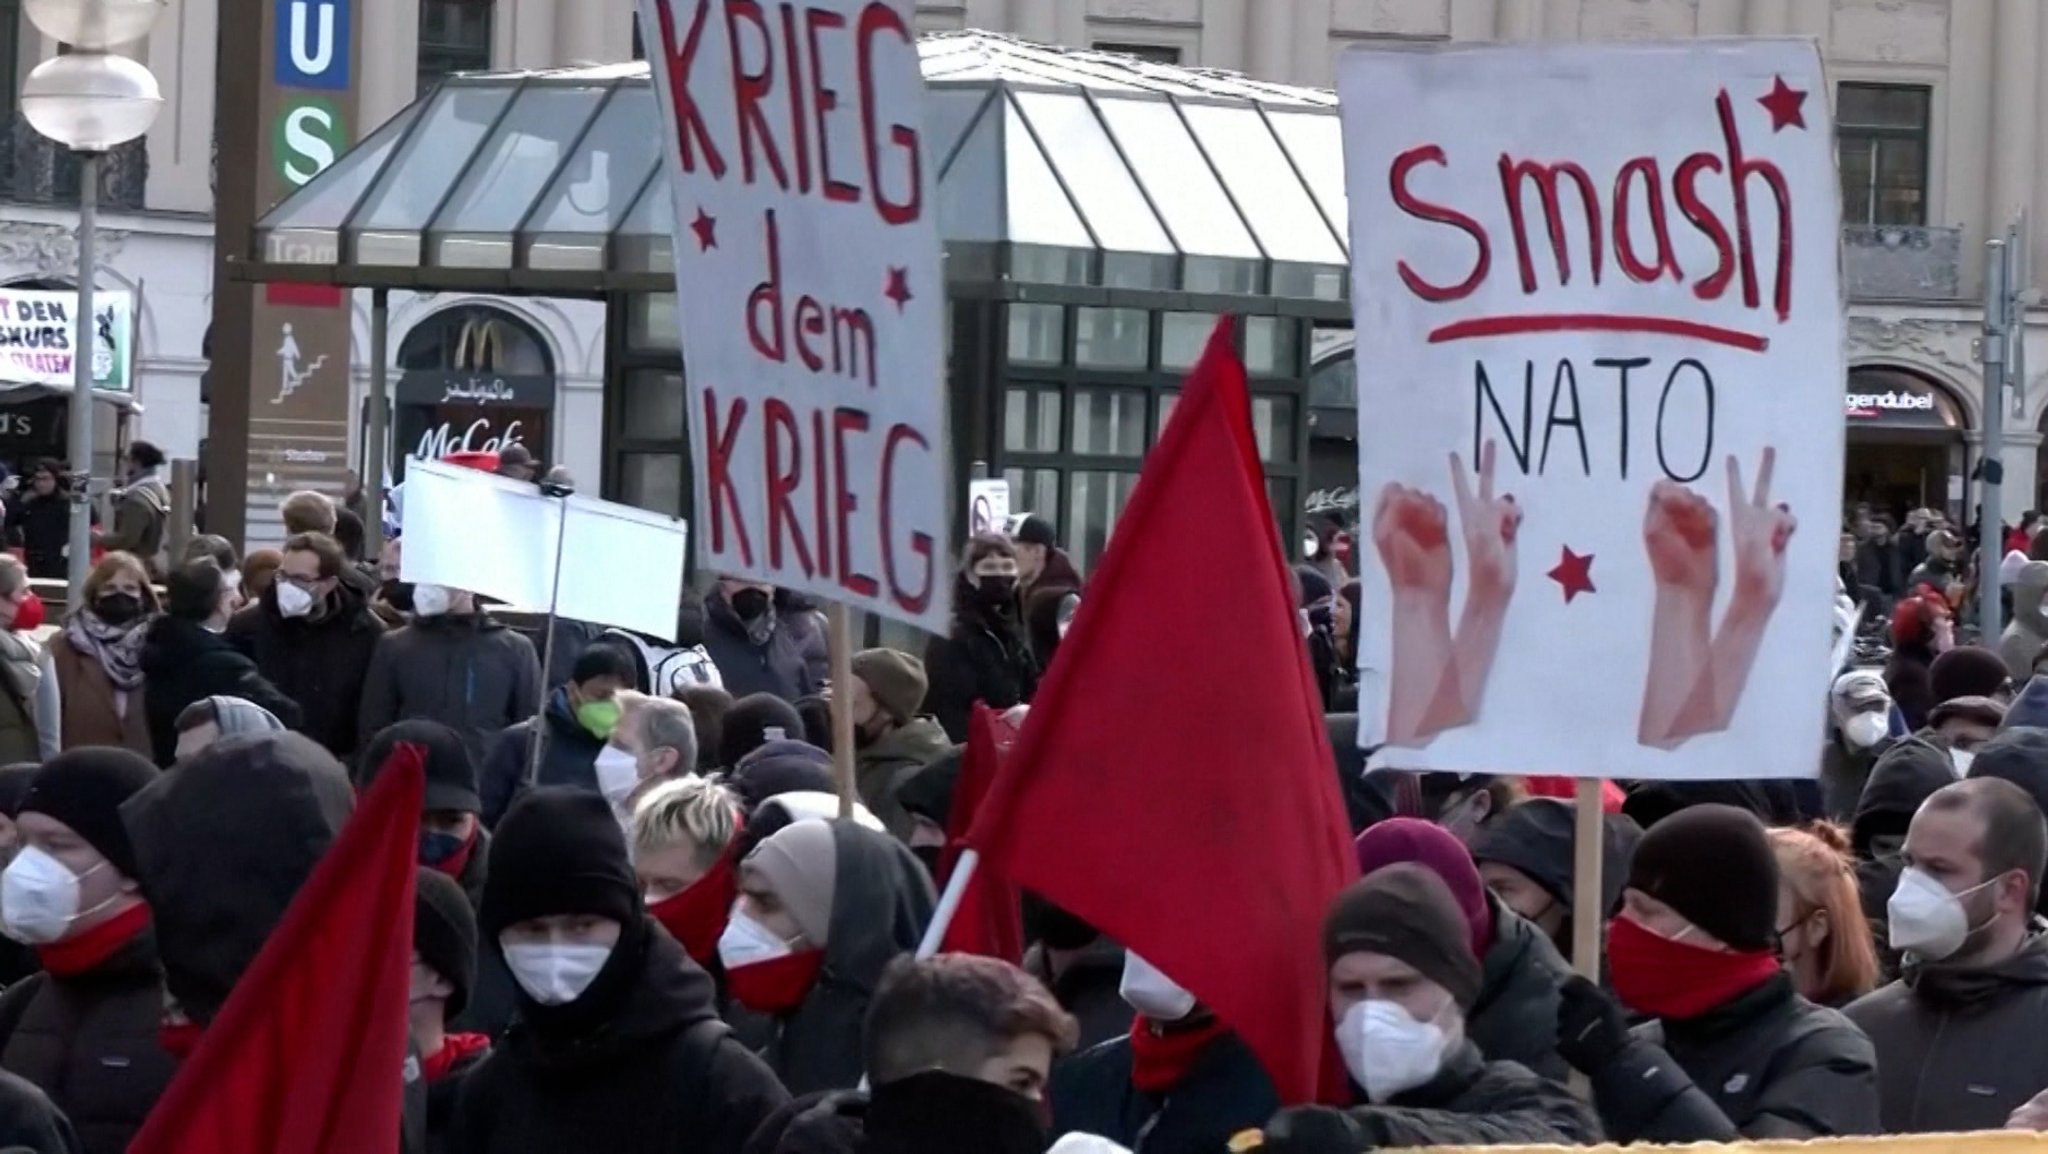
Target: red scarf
778	985
85	951
697	913
180	1039
459	860
1162	1060
454	1048
1664	978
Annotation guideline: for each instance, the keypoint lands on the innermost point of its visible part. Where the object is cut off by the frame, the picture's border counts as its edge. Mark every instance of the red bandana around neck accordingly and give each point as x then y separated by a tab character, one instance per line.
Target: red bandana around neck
1162	1060
85	951
459	860
1663	978
778	985
697	913
454	1048
180	1039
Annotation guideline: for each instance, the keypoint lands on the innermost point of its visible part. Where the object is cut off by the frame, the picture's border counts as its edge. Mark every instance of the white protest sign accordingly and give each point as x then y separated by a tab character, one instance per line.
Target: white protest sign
810	294
1601	442
39	330
988	507
493	535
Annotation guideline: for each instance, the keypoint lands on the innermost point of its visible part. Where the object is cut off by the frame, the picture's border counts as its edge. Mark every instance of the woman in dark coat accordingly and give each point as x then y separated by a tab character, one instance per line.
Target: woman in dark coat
188	658
985	657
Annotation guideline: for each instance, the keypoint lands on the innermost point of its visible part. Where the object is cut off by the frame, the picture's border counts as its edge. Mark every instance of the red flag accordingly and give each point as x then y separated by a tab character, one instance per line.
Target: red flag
308	1055
1174	784
989	921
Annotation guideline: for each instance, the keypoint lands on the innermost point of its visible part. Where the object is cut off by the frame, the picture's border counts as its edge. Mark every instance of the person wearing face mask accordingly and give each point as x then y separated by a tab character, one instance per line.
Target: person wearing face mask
1514	1016
186	659
1859	731
443	970
311	633
457	665
1526	858
655	742
1318	599
1082	967
824	905
576	724
1962	726
754	650
984	656
619	1045
1958	1036
1822	934
39	519
1730	1049
892	740
1465	803
1907	775
85	1028
89	691
957	1049
685	837
1402	980
17	959
19	657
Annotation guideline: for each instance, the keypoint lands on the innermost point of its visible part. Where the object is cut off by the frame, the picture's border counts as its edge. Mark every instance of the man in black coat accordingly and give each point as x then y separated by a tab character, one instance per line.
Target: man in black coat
755	650
312	634
618	1045
575	724
186	659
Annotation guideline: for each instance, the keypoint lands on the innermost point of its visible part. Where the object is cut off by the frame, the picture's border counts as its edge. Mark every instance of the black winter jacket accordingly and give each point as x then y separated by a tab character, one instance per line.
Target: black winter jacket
1515	1018
470	673
1089	988
1226	1091
568	758
90	1041
318	662
1474	1102
30	1122
779	664
985	658
654	1073
442	1096
1768	1065
183	662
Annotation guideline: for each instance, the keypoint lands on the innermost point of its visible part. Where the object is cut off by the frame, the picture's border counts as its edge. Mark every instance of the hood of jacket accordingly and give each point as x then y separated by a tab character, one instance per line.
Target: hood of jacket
914	743
1958	987
223	842
174	643
655	992
1906	775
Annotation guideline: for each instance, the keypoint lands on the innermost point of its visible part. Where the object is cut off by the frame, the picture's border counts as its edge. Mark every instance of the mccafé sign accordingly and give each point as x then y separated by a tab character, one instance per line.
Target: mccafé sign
1869	405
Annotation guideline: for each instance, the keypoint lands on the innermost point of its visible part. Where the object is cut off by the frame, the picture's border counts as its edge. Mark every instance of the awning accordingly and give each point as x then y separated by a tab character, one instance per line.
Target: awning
1057	167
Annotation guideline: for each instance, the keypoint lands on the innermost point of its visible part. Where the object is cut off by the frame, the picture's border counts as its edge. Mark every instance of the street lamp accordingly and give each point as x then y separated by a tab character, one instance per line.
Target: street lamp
89	100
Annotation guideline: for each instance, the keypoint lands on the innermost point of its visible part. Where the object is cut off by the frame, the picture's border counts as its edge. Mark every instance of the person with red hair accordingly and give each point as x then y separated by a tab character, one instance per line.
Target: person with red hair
1923	628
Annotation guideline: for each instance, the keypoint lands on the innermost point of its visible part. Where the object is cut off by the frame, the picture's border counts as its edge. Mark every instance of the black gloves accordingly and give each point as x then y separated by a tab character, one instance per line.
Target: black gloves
1591	1027
1314	1130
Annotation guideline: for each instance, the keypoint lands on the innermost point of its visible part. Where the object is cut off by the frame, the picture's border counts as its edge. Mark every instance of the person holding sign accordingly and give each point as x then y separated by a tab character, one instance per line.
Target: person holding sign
984	656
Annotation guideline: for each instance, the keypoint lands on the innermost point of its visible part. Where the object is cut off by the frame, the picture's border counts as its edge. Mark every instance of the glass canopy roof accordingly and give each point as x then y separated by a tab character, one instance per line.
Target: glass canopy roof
1056	166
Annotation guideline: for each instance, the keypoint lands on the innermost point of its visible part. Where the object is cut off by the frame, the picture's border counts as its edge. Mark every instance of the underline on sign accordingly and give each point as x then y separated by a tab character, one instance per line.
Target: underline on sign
1508	326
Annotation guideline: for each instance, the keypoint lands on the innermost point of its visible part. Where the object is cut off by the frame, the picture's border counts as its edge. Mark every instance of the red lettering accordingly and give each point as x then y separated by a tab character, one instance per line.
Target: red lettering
1624	252
821	493
846	421
1415	206
793	68
749	89
823	101
920	543
1685	186
691	131
724	495
810	321
1740	169
778	423
769	293
1512	174
877	18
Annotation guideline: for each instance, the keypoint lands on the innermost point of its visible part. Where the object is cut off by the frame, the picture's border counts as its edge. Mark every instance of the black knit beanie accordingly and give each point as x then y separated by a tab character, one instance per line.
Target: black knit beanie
1713	864
559	850
1405	911
444	934
747	724
451	774
84	789
14	781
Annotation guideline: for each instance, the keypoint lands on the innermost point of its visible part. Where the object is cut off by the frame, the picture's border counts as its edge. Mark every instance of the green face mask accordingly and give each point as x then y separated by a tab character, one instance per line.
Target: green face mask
599	717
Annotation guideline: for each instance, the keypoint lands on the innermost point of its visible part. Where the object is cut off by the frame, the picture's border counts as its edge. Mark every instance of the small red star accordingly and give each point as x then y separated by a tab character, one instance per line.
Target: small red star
1574	573
1785	104
706	228
899	286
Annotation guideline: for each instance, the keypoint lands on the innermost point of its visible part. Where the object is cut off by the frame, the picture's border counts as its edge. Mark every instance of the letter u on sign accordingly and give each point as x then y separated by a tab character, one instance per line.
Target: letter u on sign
313	42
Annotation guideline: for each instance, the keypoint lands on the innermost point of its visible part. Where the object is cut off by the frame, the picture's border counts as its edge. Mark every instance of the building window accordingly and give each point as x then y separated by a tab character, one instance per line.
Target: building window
1156	53
1881	133
455	36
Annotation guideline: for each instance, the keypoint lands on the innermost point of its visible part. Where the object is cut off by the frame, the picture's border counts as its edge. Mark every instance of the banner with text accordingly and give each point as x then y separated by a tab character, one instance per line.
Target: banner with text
1602	290
39	330
810	294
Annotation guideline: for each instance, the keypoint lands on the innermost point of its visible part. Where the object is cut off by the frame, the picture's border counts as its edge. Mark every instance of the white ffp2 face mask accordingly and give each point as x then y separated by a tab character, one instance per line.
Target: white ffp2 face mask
430	600
1387	1051
1865	729
1924	919
555	975
1152	993
39	897
618	773
747	942
293	601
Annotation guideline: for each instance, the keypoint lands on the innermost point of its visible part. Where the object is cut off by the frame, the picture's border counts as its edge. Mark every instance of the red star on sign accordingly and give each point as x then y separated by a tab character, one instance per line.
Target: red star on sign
1574	573
899	286
706	228
1785	104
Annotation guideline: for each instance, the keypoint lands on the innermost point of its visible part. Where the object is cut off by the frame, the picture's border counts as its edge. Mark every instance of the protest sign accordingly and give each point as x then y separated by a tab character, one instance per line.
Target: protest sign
39	330
810	295
1601	288
988	507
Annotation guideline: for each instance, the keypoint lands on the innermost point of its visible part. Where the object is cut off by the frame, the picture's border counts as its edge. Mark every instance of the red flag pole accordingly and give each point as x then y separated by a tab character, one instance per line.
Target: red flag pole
949	904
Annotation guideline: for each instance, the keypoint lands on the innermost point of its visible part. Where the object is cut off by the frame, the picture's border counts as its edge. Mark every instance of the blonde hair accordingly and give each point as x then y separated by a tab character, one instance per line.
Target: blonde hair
1816	863
693	809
